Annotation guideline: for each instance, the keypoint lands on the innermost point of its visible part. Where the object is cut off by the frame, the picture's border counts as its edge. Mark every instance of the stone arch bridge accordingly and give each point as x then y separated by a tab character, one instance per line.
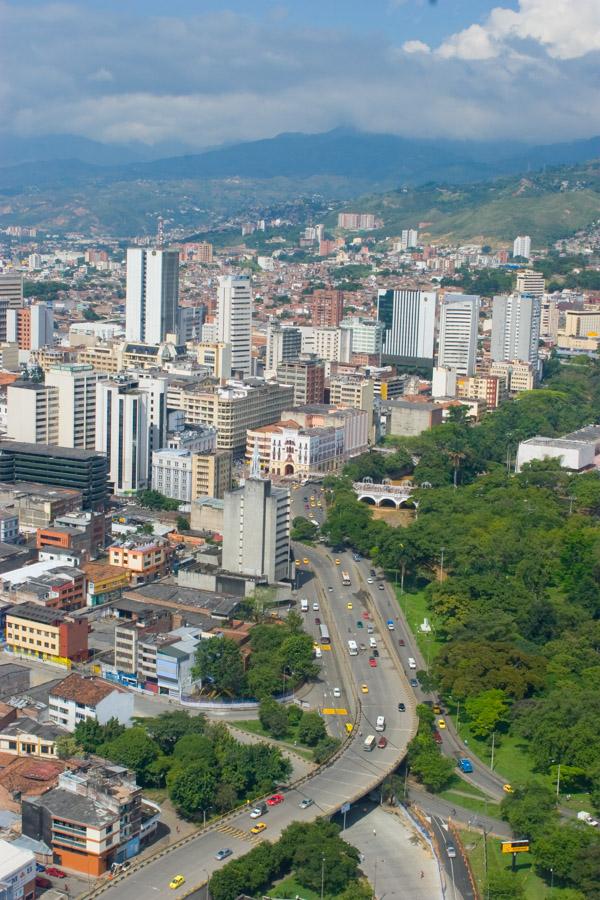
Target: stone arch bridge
387	494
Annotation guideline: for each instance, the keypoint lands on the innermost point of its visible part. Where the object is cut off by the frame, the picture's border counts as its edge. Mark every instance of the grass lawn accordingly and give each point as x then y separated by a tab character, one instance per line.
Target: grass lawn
475	804
158	795
415	608
289	887
535	887
254	727
511	759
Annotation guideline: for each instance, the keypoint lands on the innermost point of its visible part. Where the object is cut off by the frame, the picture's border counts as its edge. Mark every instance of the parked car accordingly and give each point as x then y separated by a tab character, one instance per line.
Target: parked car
437	737
55	873
414	683
42	882
337	692
259	810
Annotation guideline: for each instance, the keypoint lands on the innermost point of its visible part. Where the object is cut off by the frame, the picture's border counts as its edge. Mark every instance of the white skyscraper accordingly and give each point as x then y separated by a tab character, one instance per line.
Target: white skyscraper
409	238
130	424
409	320
234	320
152	294
459	320
522	246
515	328
76	385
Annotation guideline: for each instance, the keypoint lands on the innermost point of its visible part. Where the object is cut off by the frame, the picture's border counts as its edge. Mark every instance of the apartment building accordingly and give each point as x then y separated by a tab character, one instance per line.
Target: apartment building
306	377
32	412
518	376
216	357
530	282
76	387
172	474
145	559
31	327
104	583
367	335
211	475
76	698
352	390
256	532
491	388
59	588
11	297
34	630
326	307
331	344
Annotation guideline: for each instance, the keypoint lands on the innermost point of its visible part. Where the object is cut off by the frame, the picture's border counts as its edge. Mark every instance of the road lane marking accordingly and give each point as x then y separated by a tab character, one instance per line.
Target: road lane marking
334	712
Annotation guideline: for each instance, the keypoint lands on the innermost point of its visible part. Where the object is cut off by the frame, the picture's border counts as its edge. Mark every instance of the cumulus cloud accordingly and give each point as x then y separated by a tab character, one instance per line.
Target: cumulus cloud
214	78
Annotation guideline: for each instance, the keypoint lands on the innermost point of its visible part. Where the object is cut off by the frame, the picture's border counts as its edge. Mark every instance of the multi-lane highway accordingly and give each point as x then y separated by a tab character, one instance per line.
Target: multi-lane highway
366	693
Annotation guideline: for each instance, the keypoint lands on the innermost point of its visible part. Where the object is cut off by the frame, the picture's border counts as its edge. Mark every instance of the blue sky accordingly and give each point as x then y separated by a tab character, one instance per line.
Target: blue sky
204	72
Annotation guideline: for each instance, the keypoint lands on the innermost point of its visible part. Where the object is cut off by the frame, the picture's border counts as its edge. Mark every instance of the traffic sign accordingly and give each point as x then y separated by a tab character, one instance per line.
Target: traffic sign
345	808
515	846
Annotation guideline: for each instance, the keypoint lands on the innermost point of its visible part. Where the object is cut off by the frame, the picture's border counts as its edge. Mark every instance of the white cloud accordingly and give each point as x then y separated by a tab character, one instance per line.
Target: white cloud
415	47
566	29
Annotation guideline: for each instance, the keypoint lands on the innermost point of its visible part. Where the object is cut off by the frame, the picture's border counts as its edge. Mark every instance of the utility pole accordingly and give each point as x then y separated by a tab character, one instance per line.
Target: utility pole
493	745
442	564
322	875
458	717
558	782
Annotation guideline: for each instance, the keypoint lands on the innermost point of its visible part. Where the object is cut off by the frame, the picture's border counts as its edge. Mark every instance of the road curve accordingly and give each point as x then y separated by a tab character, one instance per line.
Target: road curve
347	778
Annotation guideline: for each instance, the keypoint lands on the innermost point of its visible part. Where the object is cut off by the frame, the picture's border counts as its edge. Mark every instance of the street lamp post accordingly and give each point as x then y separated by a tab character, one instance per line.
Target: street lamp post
442	549
322	875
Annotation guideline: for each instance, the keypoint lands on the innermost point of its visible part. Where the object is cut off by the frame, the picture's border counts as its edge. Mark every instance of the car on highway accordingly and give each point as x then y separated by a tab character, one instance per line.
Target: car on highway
365	615
364	688
369	581
382	742
375	651
372	662
176	882
317	620
363	647
508	789
298	562
223	853
451	851
330	588
275	800
305	499
304	804
318	653
349	605
441	723
401	707
55	873
381	586
436	708
413	682
337	692
390	624
372	573
256	829
359	624
465	764
401	643
315	606
437	737
306	506
306	560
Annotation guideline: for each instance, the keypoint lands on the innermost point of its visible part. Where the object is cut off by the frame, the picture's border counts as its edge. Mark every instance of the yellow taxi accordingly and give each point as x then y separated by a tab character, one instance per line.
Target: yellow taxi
306	560
349	727
319	504
312	499
176	882
364	688
441	723
298	562
507	789
256	829
349	605
338	562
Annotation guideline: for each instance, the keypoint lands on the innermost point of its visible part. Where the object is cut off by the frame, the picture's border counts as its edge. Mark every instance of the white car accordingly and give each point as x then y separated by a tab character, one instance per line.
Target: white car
337	692
315	606
318	653
369	581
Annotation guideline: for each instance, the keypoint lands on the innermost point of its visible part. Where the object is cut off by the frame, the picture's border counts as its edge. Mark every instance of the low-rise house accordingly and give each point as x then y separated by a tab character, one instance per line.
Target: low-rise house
76	698
33	630
17	872
25	736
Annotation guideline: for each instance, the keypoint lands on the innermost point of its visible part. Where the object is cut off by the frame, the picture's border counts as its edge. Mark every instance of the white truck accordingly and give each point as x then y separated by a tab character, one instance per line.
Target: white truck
584	816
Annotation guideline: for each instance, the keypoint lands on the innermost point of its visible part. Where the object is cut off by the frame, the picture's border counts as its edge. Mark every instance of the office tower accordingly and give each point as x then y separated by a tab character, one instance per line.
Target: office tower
306	376
409	238
152	294
522	246
530	282
256	529
32	412
326	307
80	470
550	319
11	297
31	327
332	344
131	423
459	322
515	328
76	386
234	320
367	335
189	323
409	320
284	343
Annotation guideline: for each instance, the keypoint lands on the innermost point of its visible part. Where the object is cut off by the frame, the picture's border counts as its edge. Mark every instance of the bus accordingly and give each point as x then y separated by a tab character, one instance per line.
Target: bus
324	634
345	578
352	648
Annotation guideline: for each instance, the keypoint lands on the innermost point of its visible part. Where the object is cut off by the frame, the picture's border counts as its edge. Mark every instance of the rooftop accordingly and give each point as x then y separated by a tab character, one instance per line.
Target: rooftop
89	691
34	613
26	725
51	452
12	858
75	808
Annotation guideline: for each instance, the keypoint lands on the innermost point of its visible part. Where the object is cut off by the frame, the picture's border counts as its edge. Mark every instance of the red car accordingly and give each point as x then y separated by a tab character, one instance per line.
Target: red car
372	662
42	882
55	873
437	737
275	799
365	615
401	643
382	742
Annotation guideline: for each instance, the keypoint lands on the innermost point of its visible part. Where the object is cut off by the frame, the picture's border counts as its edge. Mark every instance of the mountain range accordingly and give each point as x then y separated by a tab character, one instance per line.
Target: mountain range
117	188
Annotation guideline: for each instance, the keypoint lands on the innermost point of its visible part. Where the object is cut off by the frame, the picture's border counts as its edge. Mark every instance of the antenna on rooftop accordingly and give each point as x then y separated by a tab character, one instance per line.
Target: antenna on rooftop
160	233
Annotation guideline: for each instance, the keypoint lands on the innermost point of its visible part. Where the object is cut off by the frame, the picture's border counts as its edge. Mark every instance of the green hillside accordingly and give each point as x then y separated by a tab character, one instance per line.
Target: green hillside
547	205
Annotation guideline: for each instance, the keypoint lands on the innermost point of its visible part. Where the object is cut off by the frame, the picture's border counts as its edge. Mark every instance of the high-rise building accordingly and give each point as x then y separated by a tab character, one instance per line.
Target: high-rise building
326	307
284	344
329	343
11	297
32	412
64	467
216	357
367	335
152	294
211	474
306	376
409	320
515	328
30	327
234	320
189	323
409	239
256	530
530	282
522	246
130	424
459	322
76	386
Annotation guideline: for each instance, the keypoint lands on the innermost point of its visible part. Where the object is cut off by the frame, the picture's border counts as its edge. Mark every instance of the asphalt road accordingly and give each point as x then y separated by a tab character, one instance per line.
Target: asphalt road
458	882
352	775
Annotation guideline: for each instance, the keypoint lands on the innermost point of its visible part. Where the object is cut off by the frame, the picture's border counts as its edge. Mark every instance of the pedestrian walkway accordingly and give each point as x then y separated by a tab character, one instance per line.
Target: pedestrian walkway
232	831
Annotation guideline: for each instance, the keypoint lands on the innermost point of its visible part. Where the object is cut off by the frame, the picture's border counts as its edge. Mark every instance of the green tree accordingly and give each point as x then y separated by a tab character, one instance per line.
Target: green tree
89	734
167	728
311	729
303	530
67	746
530	810
559	848
183	523
192	789
273	717
486	712
219	663
296	655
504	885
134	749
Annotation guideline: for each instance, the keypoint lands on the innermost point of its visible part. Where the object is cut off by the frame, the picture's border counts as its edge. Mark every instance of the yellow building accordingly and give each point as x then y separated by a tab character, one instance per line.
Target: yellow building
211	474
